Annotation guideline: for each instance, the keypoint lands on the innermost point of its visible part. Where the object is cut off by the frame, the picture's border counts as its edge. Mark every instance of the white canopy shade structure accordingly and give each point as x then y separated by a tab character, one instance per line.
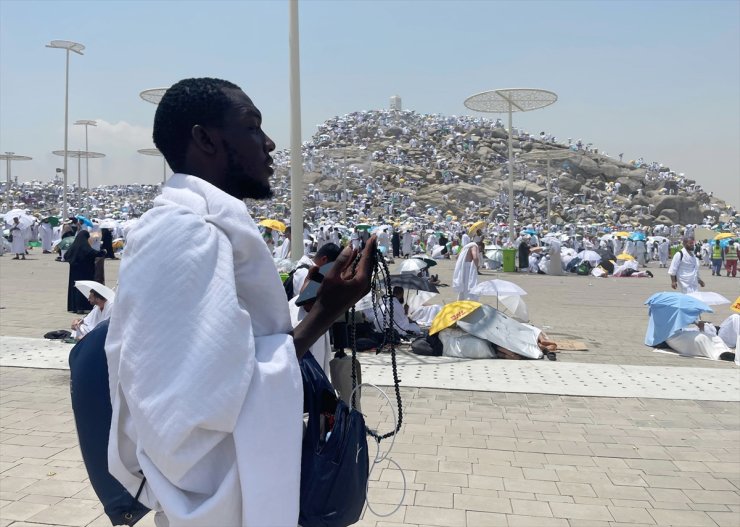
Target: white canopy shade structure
156	152
78	48
79	154
153	95
509	101
86	123
8	157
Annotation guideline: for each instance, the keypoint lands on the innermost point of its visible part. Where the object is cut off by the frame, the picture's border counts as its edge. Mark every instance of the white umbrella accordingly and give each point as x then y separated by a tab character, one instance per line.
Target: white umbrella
589	256
515	305
108	223
84	286
412	265
710	298
24	219
497	288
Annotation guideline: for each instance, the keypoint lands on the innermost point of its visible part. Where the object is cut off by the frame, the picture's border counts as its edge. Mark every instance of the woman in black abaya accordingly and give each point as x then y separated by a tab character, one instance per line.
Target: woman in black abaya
524	254
81	259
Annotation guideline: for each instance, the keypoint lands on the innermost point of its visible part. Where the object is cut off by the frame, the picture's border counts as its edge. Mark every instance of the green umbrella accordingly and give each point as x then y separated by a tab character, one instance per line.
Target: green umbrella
362	226
65	243
53	220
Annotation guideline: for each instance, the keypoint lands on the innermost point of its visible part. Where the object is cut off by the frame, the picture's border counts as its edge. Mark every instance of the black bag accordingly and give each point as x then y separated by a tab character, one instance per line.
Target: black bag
288	283
335	467
59	334
88	386
429	346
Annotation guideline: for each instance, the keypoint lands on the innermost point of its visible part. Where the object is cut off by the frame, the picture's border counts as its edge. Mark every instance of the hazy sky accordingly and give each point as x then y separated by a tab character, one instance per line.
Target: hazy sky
659	80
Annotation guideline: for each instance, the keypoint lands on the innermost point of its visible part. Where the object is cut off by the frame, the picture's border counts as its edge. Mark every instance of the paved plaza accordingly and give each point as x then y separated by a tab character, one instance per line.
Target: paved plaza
613	435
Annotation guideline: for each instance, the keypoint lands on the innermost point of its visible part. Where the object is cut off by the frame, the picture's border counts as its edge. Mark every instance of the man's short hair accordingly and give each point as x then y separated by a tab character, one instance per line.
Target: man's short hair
330	250
397	289
189	102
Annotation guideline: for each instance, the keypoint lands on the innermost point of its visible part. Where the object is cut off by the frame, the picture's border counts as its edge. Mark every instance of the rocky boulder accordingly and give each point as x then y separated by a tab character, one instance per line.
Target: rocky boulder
664	220
680	209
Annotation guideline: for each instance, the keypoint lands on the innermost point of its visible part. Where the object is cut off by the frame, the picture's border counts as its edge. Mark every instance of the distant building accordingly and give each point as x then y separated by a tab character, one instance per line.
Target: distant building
395	102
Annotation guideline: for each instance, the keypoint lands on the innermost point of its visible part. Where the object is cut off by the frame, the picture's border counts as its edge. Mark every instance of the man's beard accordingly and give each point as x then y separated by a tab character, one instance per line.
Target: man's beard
240	182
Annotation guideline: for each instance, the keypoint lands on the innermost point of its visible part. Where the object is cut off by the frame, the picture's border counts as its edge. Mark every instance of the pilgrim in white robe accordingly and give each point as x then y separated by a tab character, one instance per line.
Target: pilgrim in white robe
18	245
47	236
729	331
407	244
556	262
93	318
283	251
205	385
465	275
663	250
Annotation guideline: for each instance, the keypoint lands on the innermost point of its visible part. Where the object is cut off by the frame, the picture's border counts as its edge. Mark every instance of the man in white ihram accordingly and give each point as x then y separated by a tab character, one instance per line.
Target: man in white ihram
465	275
684	269
205	384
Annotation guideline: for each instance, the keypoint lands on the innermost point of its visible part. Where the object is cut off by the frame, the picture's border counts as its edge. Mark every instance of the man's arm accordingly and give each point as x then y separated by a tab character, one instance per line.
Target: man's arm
340	289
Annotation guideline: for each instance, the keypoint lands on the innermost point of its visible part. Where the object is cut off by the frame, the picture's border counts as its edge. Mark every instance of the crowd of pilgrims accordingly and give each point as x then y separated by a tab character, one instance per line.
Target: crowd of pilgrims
399	150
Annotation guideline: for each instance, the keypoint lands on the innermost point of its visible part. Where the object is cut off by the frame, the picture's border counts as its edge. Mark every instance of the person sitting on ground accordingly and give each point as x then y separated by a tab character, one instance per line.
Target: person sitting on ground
401	321
101	311
699	340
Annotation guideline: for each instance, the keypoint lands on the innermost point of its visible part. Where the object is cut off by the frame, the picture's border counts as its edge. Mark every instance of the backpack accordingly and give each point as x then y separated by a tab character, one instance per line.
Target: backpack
288	283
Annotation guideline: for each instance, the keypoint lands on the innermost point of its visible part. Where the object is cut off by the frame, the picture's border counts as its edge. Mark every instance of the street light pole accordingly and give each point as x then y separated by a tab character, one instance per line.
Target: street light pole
549	222
296	159
512	234
77	48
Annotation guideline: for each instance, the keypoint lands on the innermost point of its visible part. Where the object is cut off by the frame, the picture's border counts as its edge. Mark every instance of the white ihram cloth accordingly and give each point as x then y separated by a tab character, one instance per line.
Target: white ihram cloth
47	236
93	318
205	385
18	245
465	276
685	267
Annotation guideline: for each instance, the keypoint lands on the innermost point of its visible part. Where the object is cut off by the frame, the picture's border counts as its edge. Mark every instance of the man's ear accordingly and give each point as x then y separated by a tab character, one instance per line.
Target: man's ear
203	139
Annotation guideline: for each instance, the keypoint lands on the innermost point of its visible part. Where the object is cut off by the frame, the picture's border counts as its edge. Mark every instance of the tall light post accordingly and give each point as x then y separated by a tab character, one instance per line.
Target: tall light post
77	48
296	159
86	123
156	152
8	157
79	154
510	101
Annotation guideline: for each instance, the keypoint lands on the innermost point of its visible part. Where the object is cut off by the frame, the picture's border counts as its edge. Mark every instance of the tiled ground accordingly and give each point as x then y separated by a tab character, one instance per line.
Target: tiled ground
469	458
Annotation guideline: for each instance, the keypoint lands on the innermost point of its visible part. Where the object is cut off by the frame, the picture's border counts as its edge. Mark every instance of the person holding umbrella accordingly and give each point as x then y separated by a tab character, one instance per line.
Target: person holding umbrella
684	269
18	241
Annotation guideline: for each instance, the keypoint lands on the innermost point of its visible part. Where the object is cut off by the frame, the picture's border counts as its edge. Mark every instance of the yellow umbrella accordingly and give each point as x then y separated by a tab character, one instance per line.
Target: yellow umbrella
475	226
724	235
451	313
625	256
273	224
736	305
622	234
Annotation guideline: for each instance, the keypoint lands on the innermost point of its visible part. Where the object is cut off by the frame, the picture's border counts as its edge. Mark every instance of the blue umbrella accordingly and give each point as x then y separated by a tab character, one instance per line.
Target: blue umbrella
637	236
84	220
669	313
530	231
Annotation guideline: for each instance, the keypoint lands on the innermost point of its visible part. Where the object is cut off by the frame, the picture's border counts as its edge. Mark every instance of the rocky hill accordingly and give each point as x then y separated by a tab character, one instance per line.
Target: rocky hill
458	163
